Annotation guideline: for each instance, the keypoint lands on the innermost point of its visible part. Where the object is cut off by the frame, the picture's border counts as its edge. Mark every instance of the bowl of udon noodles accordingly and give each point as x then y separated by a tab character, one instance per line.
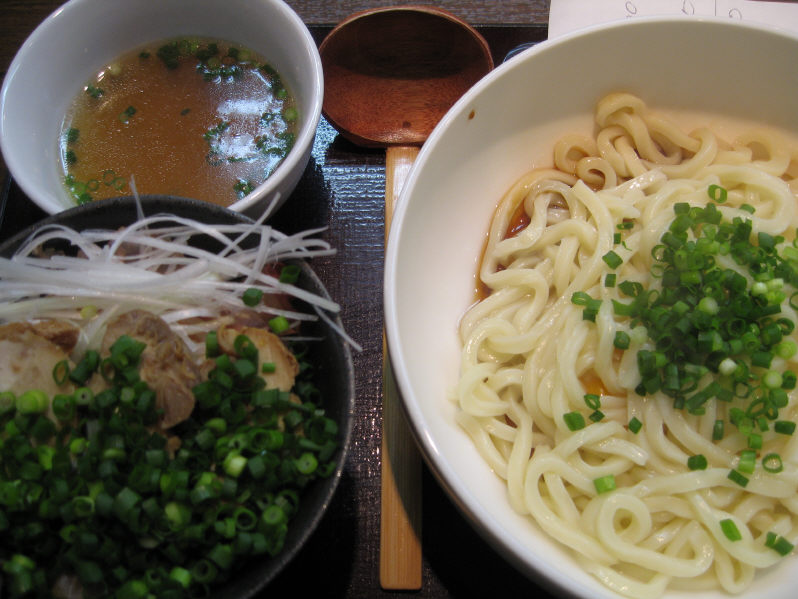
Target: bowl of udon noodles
589	309
195	395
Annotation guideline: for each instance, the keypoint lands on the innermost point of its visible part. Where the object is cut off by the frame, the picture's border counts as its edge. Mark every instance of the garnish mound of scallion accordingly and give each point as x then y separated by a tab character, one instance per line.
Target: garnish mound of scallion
101	496
717	325
714	335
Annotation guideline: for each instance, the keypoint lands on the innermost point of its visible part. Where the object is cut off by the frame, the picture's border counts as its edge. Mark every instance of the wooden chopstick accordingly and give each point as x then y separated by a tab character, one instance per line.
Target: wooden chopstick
400	515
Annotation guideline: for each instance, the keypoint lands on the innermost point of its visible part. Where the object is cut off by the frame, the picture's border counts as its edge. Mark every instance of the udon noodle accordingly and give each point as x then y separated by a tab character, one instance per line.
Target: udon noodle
647	493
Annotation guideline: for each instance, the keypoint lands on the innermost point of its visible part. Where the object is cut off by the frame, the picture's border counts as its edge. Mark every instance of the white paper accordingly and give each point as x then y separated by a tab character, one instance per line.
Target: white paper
569	15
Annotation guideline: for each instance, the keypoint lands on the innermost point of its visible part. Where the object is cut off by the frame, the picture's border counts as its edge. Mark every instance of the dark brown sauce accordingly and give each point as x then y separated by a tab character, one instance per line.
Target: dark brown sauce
518	222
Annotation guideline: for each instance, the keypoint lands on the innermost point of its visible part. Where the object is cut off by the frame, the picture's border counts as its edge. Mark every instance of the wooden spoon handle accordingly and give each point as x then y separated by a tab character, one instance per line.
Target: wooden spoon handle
400	516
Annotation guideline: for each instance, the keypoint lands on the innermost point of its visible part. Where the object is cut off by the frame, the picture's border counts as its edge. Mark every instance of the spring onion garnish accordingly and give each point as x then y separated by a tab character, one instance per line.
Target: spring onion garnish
779	544
94	92
596	416
290	114
592	401
612	259
697	462
622	340
574	421
103	498
604	484
279	324
635	425
717	193
747	461
125	115
32	402
713	317
730	530
242	187
772	463
289	273
168	276
252	296
72	135
737	478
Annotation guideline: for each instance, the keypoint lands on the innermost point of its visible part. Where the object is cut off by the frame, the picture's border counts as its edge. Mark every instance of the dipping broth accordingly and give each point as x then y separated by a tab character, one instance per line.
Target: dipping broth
197	118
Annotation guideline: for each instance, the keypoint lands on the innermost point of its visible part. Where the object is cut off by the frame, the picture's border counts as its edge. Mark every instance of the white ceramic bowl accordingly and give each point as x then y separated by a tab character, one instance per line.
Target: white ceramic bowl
82	36
485	142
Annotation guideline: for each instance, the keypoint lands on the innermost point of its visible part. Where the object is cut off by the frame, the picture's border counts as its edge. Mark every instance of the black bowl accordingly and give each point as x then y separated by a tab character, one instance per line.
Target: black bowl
331	357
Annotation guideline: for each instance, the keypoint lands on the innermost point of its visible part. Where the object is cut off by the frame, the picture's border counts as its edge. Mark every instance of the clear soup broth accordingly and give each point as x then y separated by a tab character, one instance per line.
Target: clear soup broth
197	118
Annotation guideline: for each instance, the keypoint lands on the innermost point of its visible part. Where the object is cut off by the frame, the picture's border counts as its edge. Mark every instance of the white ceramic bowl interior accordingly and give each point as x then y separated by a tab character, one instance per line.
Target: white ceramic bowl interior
506	123
82	36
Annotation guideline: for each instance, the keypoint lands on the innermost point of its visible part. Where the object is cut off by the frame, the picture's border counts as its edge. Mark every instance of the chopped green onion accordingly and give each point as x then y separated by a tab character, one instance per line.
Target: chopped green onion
104	466
32	402
592	400
604	484
622	340
591	310
635	425
252	296
306	463
730	530
181	576
574	421
289	273
64	406
596	416
747	461
612	259
737	478
234	464
772	463
221	555
789	380
244	369
786	350
697	462
245	348
212	344
125	115
279	324
706	318
779	544
8	401
580	298
61	372
727	366
717	193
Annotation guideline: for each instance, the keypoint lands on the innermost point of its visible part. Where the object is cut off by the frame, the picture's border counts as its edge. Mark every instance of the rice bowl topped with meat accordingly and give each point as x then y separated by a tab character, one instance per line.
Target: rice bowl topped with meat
166	415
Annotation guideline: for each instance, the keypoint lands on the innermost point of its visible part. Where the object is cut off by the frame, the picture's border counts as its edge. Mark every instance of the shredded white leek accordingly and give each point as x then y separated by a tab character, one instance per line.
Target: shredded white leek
151	265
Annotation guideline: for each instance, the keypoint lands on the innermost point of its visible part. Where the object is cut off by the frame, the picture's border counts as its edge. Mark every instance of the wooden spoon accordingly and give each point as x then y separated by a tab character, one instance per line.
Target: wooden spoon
390	74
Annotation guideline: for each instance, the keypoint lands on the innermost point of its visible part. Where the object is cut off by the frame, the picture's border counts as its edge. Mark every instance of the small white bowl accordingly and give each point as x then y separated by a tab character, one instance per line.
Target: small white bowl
82	36
494	134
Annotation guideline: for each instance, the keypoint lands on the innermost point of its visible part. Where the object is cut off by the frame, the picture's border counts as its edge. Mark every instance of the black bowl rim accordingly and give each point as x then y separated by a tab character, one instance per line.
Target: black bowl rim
251	579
